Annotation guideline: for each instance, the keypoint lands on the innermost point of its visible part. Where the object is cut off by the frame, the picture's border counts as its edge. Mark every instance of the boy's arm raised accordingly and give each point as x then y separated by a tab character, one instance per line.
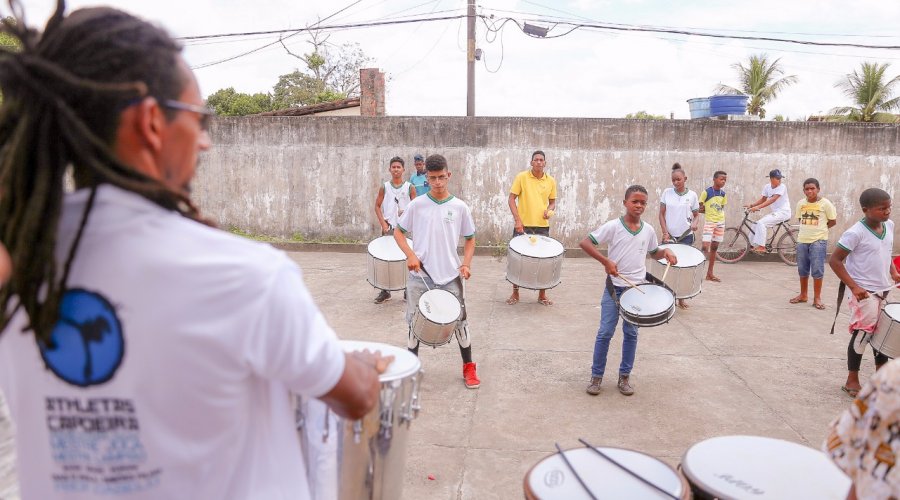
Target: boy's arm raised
588	246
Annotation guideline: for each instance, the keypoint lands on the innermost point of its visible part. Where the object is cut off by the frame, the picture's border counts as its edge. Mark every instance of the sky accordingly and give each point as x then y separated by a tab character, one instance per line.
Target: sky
585	73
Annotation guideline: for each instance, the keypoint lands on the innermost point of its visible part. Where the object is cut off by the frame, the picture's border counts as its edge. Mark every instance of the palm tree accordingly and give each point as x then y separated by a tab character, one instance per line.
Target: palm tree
870	93
759	80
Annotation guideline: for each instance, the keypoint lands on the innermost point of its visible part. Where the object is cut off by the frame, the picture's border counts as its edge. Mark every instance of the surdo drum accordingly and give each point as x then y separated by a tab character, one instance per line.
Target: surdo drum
534	262
366	458
552	478
761	468
886	337
386	264
653	307
686	277
436	317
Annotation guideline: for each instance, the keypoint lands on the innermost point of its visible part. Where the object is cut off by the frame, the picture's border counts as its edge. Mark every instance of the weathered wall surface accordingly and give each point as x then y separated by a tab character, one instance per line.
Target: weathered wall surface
318	176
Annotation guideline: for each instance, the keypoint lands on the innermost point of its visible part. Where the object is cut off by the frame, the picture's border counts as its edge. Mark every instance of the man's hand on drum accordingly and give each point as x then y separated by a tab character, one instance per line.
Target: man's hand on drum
669	256
413	263
464	271
519	227
385	229
374	359
611	268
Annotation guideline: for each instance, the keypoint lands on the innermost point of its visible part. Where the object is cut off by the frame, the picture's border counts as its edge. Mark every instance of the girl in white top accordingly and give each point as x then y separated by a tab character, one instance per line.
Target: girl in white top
678	210
774	195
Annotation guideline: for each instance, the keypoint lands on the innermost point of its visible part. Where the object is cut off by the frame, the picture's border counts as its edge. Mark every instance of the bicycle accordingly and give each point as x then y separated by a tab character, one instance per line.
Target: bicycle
735	243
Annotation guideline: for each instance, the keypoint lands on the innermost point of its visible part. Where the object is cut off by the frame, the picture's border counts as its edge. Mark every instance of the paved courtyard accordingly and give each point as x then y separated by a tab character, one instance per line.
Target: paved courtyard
741	360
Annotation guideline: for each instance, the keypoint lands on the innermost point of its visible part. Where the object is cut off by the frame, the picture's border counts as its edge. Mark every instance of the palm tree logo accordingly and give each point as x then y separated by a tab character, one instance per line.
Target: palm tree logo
87	345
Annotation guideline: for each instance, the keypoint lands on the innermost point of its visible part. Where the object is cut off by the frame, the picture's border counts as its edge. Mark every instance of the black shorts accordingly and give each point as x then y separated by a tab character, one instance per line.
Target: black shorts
542	231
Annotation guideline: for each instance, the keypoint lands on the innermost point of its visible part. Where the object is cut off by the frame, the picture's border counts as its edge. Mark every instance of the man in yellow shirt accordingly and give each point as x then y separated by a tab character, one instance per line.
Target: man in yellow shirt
535	191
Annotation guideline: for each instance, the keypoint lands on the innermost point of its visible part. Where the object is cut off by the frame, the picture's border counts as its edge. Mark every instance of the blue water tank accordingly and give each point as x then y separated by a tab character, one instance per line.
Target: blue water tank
699	107
727	105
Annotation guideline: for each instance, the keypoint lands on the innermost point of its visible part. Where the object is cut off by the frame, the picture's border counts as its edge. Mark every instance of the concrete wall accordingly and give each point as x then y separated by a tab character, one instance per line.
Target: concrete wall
318	176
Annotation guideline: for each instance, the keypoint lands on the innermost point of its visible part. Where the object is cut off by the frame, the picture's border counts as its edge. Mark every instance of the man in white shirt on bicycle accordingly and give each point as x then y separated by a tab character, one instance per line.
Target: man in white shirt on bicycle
774	194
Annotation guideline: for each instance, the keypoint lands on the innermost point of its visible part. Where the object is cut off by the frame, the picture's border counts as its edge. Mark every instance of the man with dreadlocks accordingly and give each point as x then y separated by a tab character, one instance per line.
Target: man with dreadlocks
143	354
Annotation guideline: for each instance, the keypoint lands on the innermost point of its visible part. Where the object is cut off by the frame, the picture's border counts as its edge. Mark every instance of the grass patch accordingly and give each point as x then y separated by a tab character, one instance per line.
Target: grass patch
296	237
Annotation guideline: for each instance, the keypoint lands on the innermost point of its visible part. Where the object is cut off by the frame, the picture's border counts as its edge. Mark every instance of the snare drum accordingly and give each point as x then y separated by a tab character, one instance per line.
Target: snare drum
534	262
351	459
760	468
686	277
886	338
552	479
436	317
386	264
652	308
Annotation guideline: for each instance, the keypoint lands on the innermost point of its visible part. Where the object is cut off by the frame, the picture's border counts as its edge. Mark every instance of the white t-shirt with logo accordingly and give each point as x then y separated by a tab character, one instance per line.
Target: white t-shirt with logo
783	203
626	248
436	227
869	259
172	364
395	201
680	210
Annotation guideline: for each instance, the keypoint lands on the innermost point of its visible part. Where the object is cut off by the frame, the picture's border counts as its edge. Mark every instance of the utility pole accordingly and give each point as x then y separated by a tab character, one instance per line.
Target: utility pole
470	60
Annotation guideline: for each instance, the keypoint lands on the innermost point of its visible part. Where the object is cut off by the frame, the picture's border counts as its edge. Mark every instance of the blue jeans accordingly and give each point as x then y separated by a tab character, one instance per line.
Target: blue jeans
609	318
811	259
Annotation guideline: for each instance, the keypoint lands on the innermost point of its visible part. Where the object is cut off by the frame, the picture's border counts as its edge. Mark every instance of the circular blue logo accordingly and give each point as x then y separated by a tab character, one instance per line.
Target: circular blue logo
86	345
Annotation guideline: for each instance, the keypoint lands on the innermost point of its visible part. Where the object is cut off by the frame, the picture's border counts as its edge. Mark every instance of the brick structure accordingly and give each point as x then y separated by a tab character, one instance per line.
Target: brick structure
371	92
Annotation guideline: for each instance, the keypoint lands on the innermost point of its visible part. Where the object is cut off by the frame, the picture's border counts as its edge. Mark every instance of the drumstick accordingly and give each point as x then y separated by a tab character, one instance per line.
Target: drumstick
623	278
668	265
626	469
574	472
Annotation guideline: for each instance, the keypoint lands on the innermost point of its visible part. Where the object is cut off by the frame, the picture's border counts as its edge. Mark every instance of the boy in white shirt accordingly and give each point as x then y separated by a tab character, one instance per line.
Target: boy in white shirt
393	198
862	261
774	194
437	221
629	240
679	208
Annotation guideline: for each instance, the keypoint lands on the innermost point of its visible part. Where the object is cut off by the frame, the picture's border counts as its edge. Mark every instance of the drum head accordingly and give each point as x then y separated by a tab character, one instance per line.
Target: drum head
893	310
404	365
440	306
536	246
687	255
760	467
386	248
551	478
655	300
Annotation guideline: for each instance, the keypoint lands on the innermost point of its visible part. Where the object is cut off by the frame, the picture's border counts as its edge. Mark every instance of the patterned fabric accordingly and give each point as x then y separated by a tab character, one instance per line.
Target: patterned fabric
865	439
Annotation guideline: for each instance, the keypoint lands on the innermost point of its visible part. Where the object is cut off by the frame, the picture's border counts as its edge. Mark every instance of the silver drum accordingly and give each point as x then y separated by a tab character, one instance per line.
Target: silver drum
886	338
534	262
652	308
353	459
436	317
686	277
386	264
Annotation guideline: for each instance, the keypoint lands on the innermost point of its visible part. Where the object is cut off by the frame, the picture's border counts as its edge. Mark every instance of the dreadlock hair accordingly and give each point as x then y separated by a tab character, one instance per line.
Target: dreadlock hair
63	94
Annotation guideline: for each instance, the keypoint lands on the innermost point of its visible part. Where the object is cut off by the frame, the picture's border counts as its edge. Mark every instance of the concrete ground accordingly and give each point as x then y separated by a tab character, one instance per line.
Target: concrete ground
741	360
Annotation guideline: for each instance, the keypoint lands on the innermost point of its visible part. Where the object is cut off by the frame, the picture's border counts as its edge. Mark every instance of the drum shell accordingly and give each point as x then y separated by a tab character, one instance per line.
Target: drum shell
686	282
430	332
886	337
565	480
365	458
386	274
534	273
649	319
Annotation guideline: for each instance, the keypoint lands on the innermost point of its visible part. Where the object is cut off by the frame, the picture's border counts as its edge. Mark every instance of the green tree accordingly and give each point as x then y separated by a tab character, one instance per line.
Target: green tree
871	93
643	115
761	80
228	102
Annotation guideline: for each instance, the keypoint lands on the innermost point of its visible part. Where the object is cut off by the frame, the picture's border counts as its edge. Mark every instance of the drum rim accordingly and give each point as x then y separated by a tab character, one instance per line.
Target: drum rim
382	238
709	489
685	485
889	304
665	311
394	350
419	309
510	248
677	266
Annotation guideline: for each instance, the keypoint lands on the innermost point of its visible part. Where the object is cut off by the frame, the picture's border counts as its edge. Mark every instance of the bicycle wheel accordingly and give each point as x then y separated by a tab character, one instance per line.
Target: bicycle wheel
787	247
733	247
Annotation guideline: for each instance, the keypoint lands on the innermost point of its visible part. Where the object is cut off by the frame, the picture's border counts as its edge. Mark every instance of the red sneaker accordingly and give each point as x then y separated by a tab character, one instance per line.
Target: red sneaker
472	381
